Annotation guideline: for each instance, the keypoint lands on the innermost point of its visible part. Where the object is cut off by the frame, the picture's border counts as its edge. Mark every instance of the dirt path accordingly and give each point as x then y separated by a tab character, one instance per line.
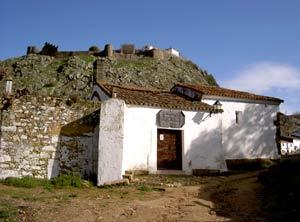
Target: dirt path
230	198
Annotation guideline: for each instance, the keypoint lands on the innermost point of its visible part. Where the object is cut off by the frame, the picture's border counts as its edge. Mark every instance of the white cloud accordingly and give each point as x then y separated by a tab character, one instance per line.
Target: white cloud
264	76
274	79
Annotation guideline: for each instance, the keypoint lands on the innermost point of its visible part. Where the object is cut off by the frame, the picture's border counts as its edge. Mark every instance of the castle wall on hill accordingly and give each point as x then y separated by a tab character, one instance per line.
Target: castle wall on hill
43	137
127	51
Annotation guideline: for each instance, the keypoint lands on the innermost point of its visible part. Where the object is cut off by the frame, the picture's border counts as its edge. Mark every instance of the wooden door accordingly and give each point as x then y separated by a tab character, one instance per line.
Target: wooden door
169	149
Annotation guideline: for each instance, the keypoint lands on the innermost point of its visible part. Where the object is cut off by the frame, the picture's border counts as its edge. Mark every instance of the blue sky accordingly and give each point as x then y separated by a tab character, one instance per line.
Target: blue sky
248	45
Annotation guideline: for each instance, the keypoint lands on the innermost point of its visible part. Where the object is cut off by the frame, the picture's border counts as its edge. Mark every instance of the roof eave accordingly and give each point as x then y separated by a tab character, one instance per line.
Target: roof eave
271	102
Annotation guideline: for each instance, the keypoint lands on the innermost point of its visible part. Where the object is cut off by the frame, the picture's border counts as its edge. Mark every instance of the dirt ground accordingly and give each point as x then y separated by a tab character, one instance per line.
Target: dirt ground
151	198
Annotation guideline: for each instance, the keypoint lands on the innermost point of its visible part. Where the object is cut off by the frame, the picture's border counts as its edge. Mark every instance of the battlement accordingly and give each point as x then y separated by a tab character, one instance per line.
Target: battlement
127	51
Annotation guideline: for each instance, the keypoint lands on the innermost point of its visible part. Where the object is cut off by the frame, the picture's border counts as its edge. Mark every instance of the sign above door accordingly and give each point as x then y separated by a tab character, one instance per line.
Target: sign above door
170	118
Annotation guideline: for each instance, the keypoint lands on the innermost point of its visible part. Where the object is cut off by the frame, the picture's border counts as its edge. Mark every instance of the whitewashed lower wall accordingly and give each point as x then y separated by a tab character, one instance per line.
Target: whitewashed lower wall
290	147
140	138
296	143
254	136
202	144
111	134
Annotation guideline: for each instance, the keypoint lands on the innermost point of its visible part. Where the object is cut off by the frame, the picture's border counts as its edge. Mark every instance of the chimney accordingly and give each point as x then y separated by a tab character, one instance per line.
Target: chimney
99	74
114	93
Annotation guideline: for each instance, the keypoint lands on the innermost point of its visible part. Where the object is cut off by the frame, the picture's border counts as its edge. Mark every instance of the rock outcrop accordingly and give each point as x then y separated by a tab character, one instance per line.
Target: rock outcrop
71	76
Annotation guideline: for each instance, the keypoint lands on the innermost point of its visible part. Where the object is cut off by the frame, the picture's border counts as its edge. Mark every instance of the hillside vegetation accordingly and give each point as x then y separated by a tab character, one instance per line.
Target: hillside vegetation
288	123
73	75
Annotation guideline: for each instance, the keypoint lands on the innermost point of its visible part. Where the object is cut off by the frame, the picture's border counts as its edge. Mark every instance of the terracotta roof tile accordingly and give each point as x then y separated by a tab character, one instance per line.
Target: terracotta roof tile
223	92
154	98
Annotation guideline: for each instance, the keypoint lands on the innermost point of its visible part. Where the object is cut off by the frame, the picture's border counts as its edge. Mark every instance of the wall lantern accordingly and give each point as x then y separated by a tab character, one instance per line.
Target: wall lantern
217	105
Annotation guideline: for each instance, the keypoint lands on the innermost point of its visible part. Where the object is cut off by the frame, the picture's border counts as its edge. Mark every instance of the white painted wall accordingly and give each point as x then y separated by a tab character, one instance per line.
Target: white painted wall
286	147
203	141
202	147
254	136
148	47
111	135
296	143
173	52
139	138
290	147
207	140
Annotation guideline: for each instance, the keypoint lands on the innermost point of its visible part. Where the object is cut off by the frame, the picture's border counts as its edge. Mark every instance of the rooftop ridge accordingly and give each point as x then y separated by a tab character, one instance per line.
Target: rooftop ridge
220	90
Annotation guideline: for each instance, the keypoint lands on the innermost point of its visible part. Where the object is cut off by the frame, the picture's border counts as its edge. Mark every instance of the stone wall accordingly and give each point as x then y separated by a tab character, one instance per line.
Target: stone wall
127	51
42	137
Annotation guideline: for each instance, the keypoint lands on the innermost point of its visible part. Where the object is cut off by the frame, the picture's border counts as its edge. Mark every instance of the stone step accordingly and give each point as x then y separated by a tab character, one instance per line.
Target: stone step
127	172
137	172
140	172
170	172
128	176
117	182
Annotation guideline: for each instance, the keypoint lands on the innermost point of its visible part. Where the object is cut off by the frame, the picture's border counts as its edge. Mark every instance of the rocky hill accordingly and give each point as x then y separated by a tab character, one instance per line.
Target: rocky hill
69	76
288	124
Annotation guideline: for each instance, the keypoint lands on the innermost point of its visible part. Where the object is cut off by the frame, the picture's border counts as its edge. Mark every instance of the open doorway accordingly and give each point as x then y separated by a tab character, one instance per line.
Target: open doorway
169	149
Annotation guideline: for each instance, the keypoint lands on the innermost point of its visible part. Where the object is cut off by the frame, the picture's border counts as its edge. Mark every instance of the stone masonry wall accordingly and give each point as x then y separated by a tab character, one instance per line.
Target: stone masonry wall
42	137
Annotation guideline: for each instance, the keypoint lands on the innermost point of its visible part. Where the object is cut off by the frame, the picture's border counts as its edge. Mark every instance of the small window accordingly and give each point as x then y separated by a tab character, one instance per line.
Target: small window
238	117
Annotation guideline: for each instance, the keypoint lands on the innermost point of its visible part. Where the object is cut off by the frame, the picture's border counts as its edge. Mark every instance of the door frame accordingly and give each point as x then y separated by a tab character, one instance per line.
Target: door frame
180	148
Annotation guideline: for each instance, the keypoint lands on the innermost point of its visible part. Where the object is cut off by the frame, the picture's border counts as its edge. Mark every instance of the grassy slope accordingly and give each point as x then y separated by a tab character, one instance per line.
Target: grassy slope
73	76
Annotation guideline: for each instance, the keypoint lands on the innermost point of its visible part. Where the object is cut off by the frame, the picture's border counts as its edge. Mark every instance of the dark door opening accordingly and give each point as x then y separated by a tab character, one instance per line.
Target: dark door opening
169	149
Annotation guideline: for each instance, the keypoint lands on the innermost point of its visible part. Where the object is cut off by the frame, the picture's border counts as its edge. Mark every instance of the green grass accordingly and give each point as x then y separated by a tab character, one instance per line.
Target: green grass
63	180
145	188
87	58
8	213
67	180
27	182
191	64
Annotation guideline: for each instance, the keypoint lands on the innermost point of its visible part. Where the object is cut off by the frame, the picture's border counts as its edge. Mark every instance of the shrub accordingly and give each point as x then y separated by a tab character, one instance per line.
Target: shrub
94	49
249	164
67	180
50	84
211	80
2	74
73	98
281	189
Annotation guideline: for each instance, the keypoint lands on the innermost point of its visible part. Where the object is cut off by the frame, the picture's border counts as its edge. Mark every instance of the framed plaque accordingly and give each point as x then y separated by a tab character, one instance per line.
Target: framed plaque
170	118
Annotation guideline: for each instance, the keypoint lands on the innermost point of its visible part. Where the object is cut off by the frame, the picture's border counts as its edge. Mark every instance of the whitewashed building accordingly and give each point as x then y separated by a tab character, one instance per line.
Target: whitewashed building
149	47
186	129
173	52
291	144
286	145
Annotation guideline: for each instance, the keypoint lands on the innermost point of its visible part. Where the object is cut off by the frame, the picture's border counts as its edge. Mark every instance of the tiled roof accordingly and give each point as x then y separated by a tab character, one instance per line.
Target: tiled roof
223	92
154	98
296	133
